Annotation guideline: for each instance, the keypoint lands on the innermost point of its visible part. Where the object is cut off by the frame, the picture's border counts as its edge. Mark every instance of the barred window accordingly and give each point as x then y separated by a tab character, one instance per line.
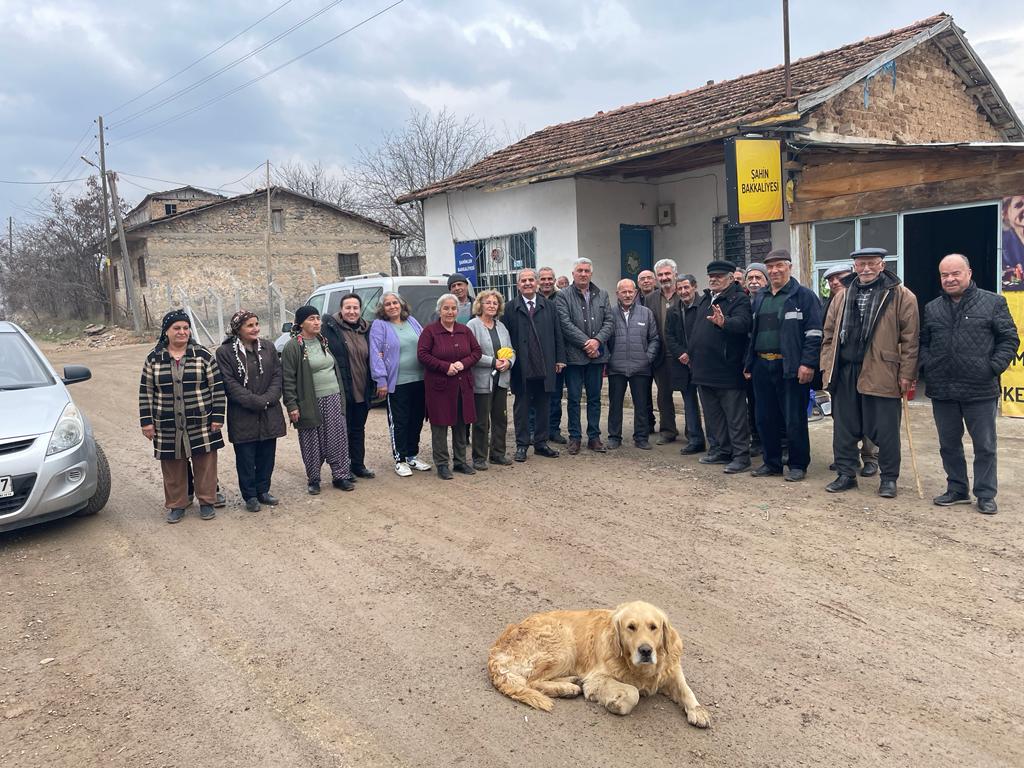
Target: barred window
170	209
499	259
348	264
742	244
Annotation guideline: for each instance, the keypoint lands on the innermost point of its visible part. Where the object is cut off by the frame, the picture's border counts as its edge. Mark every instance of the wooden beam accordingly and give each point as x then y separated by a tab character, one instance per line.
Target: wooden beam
928	195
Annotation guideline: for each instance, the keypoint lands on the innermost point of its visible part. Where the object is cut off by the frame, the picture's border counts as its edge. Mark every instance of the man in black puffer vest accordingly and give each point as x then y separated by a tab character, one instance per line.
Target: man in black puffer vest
968	339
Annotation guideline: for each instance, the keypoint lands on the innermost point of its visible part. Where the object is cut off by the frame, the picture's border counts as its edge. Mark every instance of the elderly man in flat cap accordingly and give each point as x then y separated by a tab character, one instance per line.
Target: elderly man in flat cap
869	362
785	343
717	350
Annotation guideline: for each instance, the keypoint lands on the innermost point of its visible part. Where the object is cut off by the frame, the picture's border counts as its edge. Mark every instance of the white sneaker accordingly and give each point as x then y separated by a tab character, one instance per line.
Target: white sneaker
402	469
416	463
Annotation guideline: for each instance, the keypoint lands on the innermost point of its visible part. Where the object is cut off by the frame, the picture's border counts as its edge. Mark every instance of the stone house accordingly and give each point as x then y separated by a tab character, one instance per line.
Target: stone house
903	140
187	242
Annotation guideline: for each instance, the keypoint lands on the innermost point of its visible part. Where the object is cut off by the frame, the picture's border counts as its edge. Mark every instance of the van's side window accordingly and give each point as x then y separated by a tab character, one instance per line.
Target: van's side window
371	298
334	300
317	301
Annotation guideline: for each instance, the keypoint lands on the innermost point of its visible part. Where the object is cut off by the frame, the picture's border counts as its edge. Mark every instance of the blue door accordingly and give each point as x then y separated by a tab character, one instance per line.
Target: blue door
635	250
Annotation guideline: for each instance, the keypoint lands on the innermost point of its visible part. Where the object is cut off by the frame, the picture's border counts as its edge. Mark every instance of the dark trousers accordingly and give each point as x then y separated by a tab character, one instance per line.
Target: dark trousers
639	389
857	416
355	421
781	408
491	425
980	418
531	401
555	406
255	464
405	419
694	425
666	406
578	377
439	439
725	415
755	433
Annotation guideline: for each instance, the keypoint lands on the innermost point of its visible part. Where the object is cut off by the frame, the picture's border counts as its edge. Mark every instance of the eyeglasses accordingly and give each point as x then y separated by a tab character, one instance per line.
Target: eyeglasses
861	265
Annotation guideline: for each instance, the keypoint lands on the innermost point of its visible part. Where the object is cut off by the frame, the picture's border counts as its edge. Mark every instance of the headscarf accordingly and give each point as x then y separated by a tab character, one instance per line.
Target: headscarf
172	317
240	318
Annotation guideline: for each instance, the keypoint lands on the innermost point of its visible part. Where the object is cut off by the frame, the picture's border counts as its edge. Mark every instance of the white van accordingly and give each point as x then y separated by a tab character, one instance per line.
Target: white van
420	292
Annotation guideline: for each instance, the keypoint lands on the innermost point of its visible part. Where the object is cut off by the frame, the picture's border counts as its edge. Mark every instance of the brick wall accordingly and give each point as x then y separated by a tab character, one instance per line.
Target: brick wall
225	246
928	105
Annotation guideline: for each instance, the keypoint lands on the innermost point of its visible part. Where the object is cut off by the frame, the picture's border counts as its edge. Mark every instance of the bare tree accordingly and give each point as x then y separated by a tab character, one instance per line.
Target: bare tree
56	268
316	181
431	147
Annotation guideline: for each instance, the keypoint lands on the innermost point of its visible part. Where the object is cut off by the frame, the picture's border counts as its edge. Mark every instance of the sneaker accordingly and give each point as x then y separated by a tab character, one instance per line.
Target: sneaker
949	498
402	469
207	512
219	500
418	464
987	506
175	515
252	505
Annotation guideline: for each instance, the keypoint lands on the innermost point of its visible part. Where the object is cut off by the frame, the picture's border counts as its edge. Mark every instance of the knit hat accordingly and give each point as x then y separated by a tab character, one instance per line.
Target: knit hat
721	267
457	277
240	318
305	312
757	267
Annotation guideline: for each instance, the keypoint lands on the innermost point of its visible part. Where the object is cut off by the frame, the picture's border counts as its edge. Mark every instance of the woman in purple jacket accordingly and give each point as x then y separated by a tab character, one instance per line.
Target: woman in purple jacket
397	372
448	351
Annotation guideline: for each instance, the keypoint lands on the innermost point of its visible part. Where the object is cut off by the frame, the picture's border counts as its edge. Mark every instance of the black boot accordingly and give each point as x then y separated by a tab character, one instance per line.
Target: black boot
842	483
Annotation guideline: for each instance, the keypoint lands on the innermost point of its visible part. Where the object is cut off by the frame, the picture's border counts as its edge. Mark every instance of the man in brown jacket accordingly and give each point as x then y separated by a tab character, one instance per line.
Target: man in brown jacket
868	362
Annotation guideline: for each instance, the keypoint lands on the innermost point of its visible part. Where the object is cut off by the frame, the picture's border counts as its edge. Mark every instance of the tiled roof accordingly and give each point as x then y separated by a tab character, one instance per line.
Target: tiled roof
659	124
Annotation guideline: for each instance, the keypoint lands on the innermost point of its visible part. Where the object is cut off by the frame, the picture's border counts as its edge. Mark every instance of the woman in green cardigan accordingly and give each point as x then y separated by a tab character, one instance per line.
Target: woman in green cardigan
312	397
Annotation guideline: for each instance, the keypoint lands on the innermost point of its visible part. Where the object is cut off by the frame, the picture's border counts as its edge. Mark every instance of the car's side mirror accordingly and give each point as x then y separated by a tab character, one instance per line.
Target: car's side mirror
286	327
73	374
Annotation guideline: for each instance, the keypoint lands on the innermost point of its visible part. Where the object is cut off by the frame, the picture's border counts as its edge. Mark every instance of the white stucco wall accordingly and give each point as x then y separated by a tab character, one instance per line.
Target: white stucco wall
699	196
549	207
601	207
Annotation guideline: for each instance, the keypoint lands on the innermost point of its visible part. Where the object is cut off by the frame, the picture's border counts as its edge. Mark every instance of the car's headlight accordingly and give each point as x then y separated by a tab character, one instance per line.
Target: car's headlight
69	432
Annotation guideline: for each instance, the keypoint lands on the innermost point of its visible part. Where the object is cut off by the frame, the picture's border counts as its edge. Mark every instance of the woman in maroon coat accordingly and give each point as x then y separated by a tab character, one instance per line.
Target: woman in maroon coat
448	351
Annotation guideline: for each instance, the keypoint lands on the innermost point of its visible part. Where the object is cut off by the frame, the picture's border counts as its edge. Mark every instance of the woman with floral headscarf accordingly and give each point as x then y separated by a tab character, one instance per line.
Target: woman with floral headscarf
313	399
252	377
181	409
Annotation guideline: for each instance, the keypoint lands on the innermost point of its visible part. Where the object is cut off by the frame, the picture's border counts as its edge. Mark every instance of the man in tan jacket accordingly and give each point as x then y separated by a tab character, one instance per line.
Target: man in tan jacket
869	361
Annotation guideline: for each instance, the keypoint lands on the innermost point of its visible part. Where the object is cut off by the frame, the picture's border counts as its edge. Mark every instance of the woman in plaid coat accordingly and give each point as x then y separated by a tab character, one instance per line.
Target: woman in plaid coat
181	409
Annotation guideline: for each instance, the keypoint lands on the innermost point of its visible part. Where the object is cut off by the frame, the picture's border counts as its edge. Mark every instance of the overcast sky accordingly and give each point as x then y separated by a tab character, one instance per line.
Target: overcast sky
520	65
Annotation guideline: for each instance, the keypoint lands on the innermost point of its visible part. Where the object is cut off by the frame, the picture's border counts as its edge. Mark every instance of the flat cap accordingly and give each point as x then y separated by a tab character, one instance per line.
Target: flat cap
869	253
779	254
838	269
720	266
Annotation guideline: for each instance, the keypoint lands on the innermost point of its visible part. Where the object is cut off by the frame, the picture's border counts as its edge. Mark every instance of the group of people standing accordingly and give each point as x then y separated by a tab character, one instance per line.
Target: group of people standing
744	355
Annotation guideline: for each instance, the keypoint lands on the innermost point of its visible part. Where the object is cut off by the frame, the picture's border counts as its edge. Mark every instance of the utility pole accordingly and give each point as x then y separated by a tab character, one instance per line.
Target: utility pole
785	35
129	277
111	293
270	266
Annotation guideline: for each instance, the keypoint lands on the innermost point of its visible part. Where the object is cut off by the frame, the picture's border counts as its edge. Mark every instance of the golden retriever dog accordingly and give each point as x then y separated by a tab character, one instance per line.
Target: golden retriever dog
611	657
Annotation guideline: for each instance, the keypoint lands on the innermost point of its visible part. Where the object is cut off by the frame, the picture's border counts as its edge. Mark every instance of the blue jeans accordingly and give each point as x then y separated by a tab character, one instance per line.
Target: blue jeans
576	378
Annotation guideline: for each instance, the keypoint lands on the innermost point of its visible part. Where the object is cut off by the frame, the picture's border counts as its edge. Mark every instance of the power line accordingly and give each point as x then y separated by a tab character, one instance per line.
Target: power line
186	113
226	67
222	188
44	183
197	61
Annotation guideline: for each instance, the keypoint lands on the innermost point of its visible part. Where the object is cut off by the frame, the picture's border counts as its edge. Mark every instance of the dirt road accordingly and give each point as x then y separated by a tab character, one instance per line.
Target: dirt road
353	629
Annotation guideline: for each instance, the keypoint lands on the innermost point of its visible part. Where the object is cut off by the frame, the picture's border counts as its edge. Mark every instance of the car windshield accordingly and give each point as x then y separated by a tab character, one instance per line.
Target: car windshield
20	367
422	300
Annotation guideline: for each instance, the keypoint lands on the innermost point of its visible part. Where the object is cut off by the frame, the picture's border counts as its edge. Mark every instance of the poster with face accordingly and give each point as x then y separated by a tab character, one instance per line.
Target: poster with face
1012	380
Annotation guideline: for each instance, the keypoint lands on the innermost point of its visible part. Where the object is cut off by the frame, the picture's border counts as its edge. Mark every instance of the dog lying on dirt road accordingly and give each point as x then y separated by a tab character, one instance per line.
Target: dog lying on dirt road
611	657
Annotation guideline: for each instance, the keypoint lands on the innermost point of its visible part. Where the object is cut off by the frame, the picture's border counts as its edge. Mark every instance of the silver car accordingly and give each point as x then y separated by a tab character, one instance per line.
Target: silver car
50	465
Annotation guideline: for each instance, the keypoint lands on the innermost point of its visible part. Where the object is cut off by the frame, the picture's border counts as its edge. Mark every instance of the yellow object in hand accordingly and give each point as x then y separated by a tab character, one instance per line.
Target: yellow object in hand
505	353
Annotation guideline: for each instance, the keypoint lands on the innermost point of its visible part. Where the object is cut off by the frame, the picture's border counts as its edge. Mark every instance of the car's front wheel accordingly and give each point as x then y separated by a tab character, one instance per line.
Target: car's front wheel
99	499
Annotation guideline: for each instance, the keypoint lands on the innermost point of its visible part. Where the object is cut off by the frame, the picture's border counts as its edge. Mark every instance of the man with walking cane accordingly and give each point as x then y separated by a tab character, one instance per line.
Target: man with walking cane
869	363
968	339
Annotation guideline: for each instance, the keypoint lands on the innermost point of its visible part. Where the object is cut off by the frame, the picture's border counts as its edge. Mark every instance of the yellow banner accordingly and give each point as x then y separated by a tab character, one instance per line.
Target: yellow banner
758	180
1013	378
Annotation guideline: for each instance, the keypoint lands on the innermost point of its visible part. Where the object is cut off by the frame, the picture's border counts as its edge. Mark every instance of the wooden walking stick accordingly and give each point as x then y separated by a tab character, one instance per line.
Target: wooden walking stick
910	441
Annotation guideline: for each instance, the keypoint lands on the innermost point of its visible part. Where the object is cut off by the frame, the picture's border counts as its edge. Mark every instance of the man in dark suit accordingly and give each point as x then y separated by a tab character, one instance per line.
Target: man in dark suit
661	302
533	326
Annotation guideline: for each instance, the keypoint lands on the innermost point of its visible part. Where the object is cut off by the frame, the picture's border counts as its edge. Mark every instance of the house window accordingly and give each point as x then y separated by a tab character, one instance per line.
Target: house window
277	220
742	244
170	209
348	264
113	273
834	241
499	259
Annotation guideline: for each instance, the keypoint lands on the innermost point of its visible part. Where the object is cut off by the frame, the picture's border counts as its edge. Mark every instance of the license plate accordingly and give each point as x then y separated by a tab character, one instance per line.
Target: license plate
6	487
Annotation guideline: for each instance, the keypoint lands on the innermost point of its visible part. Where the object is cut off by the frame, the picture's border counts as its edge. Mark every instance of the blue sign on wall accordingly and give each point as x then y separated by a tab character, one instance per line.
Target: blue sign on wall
465	260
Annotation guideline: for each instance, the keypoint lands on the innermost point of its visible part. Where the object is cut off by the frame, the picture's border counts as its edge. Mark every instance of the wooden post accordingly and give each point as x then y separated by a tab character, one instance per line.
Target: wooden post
129	274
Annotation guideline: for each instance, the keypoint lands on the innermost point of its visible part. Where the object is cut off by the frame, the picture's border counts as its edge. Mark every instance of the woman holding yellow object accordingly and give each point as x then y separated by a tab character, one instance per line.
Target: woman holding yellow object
490	379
